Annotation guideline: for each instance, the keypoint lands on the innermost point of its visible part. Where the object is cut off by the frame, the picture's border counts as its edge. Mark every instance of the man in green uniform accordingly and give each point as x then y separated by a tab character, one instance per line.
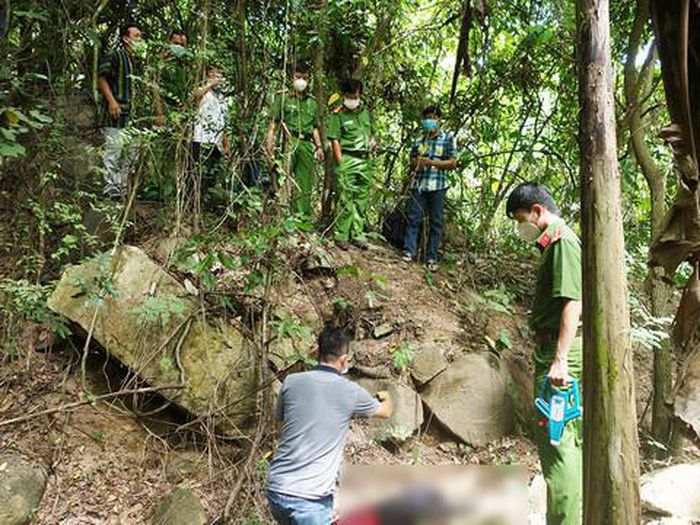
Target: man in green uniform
294	112
556	311
172	89
350	133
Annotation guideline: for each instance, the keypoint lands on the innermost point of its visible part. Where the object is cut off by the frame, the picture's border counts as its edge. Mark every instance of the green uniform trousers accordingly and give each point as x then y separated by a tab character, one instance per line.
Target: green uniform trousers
562	466
303	169
353	178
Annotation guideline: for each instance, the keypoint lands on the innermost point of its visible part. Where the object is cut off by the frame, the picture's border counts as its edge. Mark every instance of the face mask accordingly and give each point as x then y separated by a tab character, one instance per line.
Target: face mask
177	50
351	103
429	124
299	84
137	46
528	232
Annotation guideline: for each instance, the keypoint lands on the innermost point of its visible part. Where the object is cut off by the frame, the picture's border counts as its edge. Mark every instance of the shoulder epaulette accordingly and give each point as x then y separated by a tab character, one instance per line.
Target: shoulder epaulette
546	238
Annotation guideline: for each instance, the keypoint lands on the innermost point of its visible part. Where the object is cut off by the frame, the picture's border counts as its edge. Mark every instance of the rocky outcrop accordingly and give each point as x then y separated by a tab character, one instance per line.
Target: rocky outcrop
407	415
22	486
147	320
427	363
180	507
471	399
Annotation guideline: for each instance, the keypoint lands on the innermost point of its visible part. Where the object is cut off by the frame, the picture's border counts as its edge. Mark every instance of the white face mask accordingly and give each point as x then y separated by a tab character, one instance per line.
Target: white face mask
351	103
527	231
299	84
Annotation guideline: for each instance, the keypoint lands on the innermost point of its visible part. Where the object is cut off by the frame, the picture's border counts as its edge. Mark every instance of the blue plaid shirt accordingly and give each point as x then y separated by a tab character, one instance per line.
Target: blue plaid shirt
439	147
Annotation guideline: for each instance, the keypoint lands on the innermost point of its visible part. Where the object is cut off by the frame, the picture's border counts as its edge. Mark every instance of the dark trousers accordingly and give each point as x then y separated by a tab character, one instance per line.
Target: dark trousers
421	203
207	163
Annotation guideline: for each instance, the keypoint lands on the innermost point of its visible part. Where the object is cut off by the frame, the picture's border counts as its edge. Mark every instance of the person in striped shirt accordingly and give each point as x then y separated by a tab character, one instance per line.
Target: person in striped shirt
117	78
432	156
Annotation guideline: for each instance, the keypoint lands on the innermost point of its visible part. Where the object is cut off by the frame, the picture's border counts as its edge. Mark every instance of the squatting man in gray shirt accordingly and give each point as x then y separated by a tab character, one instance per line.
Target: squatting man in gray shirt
315	409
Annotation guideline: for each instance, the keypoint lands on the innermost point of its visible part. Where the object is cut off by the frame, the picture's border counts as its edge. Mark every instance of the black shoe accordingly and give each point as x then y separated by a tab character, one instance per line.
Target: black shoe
343	245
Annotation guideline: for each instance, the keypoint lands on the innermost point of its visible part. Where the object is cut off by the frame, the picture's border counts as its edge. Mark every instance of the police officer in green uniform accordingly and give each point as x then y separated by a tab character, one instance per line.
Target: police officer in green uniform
556	311
294	111
350	133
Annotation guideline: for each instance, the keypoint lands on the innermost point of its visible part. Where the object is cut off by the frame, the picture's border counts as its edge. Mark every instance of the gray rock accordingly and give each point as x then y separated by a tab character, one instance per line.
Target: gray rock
427	363
673	491
22	486
382	330
180	507
211	357
407	415
470	398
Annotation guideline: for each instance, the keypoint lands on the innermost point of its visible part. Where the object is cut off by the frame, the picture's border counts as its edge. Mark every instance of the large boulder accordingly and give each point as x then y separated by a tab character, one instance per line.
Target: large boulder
180	507
427	363
22	486
406	417
686	404
471	399
673	491
149	322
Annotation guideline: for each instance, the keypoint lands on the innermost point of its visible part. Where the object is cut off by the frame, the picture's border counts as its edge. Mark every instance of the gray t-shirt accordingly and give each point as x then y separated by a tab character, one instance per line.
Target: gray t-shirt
316	408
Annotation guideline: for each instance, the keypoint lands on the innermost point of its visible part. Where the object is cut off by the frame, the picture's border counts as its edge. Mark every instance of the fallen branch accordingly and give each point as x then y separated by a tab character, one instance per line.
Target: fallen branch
77	404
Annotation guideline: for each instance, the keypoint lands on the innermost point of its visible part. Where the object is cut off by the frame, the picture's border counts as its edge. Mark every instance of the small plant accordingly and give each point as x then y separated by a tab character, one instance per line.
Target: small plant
402	356
160	310
98	435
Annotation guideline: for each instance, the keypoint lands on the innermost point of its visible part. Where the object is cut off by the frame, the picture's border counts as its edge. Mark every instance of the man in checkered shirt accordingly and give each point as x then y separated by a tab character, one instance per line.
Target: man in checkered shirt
431	156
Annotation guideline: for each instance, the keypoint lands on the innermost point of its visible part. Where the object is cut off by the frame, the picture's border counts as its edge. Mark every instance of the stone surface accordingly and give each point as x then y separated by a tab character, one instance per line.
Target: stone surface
427	363
686	404
382	330
407	415
22	486
180	507
673	491
176	345
471	399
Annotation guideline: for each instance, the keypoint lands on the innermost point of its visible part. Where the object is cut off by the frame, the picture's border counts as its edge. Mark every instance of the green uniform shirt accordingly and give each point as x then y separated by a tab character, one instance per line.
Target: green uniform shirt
298	114
174	82
353	129
558	275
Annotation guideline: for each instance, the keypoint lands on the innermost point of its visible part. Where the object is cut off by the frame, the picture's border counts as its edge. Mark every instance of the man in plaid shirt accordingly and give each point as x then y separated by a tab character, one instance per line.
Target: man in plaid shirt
431	156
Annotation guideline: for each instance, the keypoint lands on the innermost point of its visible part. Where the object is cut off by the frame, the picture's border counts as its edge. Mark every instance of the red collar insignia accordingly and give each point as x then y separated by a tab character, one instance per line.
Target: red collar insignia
547	238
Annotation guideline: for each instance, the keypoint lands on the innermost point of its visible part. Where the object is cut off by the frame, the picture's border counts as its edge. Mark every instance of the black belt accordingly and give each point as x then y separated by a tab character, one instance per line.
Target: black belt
358	154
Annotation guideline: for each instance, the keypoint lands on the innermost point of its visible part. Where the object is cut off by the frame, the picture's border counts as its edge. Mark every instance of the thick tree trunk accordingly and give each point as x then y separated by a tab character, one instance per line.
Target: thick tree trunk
611	463
636	88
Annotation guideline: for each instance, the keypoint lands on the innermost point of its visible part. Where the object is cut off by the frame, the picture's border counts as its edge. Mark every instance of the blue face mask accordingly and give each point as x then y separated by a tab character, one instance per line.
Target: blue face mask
429	124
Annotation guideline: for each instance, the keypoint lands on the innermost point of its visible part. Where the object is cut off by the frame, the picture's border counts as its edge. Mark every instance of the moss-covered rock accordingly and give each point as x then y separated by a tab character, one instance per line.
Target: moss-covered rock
146	319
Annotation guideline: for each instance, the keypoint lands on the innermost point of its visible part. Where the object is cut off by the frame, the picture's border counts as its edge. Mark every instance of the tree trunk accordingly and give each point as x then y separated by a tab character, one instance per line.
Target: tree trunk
611	463
636	89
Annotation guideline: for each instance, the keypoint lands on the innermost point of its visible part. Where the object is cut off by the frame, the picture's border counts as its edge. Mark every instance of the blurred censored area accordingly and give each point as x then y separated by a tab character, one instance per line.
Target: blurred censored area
432	495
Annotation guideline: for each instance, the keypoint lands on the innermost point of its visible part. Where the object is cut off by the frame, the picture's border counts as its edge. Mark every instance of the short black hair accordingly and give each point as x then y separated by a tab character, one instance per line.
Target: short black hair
333	343
124	30
178	32
432	110
300	66
527	194
351	85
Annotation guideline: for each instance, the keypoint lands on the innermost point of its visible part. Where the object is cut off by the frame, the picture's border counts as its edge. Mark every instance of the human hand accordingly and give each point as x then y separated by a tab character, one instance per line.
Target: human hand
558	373
382	395
424	162
159	121
114	109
